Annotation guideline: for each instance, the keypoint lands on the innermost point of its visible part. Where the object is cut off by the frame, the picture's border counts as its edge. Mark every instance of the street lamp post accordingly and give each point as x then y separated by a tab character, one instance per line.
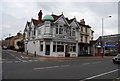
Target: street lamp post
103	45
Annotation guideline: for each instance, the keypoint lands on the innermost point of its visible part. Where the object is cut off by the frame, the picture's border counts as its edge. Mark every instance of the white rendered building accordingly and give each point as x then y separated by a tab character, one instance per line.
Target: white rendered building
53	35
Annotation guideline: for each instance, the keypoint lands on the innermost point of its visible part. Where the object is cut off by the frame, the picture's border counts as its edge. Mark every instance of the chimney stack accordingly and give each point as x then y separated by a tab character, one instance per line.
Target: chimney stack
40	17
82	22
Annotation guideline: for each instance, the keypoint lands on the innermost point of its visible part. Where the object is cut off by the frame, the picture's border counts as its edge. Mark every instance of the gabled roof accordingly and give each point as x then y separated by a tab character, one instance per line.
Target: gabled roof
69	20
84	25
56	16
35	22
27	24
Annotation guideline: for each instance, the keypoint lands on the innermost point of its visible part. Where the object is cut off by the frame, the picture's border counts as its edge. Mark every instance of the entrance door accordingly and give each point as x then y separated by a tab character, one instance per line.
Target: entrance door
67	51
47	50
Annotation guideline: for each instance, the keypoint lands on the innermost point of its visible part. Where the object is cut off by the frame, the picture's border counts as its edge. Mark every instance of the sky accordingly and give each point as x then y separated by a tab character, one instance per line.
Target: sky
14	14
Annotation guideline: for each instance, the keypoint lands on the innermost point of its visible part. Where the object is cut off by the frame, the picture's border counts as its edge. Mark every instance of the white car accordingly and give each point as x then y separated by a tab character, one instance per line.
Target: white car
116	59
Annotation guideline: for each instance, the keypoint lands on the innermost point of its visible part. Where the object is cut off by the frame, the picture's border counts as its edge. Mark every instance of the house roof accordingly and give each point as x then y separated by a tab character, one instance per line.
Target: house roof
35	22
9	38
56	16
28	23
84	25
69	21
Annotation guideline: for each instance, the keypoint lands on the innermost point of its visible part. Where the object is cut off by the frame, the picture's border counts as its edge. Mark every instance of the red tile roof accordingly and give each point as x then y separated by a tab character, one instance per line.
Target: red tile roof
56	16
35	22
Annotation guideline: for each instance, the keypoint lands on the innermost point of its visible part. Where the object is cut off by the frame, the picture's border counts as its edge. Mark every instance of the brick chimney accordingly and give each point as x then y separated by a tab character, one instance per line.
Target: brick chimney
82	21
40	17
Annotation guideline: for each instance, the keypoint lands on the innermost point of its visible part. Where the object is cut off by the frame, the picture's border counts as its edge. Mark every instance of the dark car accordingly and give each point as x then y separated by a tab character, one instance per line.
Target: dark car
116	59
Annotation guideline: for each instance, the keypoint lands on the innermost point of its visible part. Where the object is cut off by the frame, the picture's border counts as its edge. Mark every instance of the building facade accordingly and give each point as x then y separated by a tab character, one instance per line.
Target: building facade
111	44
54	35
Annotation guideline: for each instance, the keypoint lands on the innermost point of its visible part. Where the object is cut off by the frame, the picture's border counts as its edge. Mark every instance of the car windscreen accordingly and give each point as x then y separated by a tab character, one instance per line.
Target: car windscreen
118	55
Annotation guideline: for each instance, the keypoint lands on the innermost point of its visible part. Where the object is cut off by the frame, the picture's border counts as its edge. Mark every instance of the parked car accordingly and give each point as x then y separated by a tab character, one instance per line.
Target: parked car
4	47
116	59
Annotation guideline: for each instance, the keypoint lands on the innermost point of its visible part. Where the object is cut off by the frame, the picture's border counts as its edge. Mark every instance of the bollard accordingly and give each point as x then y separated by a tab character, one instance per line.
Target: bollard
35	54
27	52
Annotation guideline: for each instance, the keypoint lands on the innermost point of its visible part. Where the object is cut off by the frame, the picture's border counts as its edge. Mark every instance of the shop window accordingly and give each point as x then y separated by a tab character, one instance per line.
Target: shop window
54	48
60	48
74	48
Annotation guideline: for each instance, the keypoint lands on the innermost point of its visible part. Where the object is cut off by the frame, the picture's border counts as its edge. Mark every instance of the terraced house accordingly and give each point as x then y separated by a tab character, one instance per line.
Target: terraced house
56	35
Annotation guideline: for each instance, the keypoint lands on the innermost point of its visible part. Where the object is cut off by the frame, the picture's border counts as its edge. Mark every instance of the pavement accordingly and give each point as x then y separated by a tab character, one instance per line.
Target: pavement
38	57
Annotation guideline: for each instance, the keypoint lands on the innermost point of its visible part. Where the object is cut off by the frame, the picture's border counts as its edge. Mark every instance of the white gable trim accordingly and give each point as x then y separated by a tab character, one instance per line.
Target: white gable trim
63	19
75	22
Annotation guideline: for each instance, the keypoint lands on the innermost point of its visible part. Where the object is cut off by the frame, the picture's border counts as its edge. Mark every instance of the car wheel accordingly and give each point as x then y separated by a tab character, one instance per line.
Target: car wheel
114	61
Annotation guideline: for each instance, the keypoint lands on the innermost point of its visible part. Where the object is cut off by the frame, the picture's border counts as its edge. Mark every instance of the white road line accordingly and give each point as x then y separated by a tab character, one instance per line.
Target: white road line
96	62
50	67
19	59
100	75
35	60
92	63
15	56
23	56
86	63
30	60
9	62
24	61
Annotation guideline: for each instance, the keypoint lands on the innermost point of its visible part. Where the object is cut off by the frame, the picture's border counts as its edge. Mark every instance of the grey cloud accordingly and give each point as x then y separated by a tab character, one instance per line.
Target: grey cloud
92	12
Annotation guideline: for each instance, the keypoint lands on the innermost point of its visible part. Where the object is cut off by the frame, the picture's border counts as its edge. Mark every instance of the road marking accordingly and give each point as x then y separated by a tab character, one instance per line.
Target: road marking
30	60
92	63
100	75
24	61
19	59
15	56
86	63
23	56
9	62
96	62
35	60
50	67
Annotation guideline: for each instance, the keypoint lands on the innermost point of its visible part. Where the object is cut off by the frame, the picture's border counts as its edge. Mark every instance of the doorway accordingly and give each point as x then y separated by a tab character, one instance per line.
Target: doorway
47	50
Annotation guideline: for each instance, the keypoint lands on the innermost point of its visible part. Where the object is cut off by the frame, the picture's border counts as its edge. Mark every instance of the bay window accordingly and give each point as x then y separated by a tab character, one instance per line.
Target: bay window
59	29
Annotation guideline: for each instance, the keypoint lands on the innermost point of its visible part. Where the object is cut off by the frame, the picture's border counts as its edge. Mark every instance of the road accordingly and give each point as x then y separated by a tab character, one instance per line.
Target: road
19	66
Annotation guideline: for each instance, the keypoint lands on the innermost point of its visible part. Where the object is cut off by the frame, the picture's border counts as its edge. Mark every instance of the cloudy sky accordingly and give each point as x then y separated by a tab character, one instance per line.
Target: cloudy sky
14	14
